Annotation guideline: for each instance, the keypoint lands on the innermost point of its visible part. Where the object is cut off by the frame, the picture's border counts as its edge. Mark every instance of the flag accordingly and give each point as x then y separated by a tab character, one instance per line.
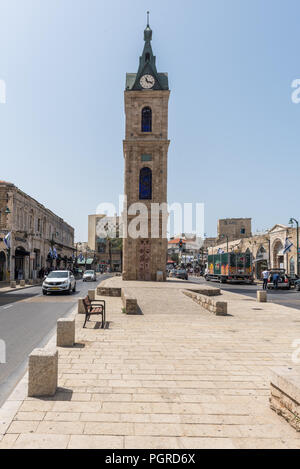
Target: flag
287	246
50	252
7	240
54	253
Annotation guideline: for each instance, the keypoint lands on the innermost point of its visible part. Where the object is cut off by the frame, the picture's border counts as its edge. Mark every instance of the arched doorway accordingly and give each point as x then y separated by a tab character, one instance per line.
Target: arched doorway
2	266
278	257
261	262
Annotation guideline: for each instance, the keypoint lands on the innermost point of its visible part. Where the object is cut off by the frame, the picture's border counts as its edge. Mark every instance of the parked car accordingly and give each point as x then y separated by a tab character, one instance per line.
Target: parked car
181	273
283	282
293	279
89	275
172	273
297	284
59	280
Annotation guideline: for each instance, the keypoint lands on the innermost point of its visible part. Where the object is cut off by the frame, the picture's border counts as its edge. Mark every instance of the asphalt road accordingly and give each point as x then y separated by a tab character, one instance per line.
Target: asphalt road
28	320
290	298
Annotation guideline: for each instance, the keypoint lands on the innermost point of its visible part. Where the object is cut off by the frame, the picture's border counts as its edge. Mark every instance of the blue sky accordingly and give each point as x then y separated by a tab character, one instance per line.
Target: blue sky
234	130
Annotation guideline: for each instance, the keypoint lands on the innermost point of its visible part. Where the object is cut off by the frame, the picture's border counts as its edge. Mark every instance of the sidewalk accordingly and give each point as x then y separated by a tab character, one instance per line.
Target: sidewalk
175	377
5	287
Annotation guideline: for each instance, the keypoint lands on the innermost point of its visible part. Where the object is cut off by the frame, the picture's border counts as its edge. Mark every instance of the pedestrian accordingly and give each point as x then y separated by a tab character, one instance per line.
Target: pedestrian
275	280
265	276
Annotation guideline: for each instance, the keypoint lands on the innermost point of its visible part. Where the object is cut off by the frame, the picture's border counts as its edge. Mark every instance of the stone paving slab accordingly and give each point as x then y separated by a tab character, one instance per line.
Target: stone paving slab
176	376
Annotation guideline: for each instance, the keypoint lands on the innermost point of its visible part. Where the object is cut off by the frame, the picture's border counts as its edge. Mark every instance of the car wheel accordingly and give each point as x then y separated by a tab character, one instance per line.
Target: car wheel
74	289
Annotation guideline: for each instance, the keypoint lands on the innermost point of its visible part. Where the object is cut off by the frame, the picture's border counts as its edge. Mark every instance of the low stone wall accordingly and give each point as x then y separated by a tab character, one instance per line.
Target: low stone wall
285	394
219	308
108	291
208	291
129	303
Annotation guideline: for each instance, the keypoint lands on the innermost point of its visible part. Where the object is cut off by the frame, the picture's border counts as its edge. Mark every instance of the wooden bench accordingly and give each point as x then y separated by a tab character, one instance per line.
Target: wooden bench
94	307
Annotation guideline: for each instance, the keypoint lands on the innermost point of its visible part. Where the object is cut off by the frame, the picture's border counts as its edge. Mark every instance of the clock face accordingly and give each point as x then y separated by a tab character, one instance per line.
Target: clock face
147	81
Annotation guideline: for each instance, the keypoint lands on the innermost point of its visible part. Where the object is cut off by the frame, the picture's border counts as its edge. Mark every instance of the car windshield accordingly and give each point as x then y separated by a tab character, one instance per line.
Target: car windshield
55	274
89	272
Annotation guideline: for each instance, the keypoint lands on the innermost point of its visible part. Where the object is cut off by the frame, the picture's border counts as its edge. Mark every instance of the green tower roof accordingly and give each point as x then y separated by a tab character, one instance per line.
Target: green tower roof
147	66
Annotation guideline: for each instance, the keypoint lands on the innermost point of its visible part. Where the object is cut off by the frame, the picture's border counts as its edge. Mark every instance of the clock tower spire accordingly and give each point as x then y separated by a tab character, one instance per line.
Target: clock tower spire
147	66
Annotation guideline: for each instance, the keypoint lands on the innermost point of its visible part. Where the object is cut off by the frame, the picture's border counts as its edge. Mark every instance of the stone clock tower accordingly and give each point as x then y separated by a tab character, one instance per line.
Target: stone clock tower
146	152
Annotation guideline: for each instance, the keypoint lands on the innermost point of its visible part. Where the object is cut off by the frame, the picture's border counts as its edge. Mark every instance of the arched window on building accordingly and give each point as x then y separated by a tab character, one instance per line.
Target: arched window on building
145	184
146	119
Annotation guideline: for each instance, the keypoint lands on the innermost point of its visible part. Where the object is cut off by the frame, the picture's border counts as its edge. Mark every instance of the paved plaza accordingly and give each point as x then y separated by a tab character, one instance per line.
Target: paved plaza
176	376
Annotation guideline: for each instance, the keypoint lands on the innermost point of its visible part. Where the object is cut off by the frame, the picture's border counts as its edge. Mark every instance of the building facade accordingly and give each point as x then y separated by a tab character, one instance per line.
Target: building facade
145	154
104	239
267	249
234	228
34	233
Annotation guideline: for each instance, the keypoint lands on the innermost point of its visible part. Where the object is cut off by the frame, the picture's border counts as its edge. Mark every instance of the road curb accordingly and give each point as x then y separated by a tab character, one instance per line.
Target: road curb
21	288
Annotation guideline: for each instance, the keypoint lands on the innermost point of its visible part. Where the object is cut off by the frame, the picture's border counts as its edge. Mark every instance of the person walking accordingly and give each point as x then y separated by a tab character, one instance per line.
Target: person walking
275	280
265	276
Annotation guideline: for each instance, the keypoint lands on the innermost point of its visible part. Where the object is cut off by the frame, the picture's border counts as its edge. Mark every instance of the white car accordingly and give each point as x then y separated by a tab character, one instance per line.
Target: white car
89	275
59	280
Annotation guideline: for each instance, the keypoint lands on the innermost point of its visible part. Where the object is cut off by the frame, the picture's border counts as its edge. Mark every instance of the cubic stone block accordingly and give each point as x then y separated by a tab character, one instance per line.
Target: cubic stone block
13	284
91	294
129	303
22	283
261	296
65	332
42	372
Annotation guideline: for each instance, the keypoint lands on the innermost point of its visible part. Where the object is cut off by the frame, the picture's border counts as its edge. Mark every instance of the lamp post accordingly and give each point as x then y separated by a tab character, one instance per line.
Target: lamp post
225	236
292	220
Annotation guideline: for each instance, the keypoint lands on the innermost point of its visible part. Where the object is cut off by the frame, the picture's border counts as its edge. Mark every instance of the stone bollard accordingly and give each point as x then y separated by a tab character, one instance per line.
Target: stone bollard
13	284
261	296
65	332
91	294
81	309
22	283
42	372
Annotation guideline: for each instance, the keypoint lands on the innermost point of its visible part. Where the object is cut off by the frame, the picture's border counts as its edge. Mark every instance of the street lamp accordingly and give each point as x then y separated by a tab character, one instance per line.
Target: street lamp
291	222
225	236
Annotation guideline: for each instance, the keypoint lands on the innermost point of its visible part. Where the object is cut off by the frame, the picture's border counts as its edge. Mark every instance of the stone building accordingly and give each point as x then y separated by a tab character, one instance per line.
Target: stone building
104	239
145	153
234	228
267	249
34	230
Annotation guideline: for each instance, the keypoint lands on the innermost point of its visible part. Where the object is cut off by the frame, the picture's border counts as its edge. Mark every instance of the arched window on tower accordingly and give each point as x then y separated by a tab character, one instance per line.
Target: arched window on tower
145	184
146	119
